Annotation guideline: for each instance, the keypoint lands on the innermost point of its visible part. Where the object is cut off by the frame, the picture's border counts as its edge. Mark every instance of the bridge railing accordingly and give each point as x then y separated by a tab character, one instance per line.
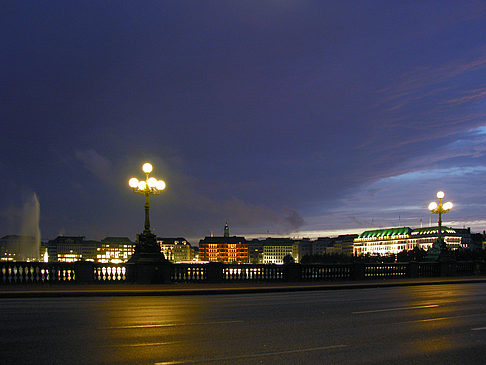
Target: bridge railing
36	272
88	272
327	272
253	273
188	273
111	273
428	269
385	271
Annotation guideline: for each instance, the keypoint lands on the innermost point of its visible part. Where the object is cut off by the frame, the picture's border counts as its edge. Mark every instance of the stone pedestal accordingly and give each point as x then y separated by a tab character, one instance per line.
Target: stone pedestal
150	265
84	271
151	273
147	250
292	273
358	272
214	272
413	269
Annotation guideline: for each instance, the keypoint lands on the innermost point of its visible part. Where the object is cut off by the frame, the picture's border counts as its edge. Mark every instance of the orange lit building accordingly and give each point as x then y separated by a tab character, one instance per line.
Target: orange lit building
226	249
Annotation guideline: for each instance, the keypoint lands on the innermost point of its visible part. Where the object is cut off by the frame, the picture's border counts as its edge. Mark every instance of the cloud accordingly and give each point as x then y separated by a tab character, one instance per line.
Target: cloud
470	95
294	220
95	163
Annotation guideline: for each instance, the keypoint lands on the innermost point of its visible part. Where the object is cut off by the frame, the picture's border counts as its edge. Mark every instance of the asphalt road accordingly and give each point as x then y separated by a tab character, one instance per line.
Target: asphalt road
431	324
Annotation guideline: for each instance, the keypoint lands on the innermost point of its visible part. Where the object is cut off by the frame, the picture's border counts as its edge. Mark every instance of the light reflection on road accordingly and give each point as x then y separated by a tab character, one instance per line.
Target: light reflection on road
400	324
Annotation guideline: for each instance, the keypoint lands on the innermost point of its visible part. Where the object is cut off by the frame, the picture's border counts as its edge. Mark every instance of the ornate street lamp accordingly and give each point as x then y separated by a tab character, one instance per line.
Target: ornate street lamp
440	209
147	248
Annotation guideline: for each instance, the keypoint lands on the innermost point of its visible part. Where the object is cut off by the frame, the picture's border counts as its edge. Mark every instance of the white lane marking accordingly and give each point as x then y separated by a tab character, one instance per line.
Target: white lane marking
440	318
478	329
263	354
167	325
145	344
397	309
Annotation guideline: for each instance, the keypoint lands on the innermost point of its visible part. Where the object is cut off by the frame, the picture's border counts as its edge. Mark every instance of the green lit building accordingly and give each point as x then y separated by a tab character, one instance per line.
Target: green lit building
394	240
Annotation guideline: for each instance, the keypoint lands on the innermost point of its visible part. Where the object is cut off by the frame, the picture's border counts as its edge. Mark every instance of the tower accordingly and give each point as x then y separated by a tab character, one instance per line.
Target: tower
226	230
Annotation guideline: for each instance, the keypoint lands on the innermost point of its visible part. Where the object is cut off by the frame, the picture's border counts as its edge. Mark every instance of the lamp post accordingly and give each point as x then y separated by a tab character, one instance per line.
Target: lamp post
147	248
440	209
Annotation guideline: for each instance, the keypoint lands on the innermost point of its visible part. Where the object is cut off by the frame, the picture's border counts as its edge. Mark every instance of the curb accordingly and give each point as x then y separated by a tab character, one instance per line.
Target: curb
222	291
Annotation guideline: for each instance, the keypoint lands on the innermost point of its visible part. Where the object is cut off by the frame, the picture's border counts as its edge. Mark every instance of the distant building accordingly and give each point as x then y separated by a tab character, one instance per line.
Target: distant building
71	249
477	240
227	249
394	240
320	245
344	243
466	237
75	248
114	250
425	237
255	249
19	248
176	249
275	249
383	241
301	248
195	254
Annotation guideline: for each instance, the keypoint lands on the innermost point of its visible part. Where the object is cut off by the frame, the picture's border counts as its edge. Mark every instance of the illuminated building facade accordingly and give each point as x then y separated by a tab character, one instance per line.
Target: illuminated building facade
76	248
71	249
383	241
176	249
226	249
425	237
394	240
275	249
114	250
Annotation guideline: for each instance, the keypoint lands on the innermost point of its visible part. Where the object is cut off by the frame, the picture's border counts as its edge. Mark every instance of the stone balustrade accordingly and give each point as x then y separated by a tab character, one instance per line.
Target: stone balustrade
38	273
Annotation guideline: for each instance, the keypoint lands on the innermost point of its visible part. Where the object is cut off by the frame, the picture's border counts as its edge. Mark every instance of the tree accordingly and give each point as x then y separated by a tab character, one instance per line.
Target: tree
288	259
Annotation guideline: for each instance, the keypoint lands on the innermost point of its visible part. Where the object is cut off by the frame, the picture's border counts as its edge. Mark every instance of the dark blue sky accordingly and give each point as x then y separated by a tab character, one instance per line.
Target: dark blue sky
281	117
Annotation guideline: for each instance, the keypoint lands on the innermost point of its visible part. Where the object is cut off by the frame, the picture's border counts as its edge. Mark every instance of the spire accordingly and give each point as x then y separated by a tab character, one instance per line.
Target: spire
226	230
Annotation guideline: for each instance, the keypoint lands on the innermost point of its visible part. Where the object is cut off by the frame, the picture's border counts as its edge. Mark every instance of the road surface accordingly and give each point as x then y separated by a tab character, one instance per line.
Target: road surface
431	324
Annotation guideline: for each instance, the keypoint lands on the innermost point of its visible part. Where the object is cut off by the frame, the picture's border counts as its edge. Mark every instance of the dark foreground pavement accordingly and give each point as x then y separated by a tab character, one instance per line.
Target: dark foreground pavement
419	324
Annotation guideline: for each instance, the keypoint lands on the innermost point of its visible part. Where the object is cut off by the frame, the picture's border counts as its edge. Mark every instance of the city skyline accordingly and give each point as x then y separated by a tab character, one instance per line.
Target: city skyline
282	118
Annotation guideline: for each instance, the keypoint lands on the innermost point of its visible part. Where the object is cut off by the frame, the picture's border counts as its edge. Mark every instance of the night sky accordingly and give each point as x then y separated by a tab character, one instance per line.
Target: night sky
299	118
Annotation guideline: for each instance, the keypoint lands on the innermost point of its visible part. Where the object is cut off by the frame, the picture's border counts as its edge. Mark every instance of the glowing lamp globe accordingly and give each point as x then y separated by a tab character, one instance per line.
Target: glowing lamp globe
133	182
160	185
142	185
147	168
440	194
432	206
448	206
152	182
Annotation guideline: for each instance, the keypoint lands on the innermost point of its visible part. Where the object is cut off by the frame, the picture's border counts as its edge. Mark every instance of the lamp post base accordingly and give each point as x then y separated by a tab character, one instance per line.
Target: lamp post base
438	252
150	265
147	250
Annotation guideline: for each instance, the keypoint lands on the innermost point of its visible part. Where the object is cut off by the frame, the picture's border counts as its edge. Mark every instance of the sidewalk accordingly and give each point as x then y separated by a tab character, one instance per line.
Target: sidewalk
81	290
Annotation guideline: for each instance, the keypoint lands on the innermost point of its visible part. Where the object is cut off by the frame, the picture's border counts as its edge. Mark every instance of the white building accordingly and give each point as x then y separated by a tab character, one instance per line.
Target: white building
275	249
394	240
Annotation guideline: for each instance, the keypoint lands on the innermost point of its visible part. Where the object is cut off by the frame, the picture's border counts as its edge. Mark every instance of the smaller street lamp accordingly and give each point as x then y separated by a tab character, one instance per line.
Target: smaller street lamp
440	209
